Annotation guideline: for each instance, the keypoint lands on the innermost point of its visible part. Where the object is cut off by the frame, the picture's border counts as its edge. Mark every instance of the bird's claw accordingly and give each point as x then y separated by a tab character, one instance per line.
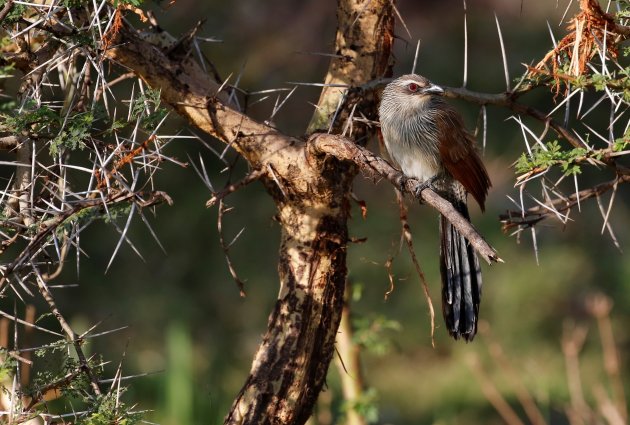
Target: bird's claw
427	184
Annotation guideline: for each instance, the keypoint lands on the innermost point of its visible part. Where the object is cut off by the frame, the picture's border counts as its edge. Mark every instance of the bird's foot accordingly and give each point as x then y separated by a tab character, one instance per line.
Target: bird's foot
427	184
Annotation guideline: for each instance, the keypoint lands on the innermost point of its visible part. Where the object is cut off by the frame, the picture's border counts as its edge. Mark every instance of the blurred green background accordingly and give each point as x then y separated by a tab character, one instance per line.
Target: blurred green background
187	322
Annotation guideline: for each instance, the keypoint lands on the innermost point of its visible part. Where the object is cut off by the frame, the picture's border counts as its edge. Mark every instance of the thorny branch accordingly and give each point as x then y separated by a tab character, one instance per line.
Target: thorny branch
45	205
245	135
584	60
556	207
51	225
508	100
70	334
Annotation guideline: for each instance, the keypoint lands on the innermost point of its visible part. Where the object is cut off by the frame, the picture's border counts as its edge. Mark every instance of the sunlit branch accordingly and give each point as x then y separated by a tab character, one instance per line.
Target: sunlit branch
372	165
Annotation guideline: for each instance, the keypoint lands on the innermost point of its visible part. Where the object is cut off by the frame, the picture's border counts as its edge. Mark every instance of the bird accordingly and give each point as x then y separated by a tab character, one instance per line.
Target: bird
427	140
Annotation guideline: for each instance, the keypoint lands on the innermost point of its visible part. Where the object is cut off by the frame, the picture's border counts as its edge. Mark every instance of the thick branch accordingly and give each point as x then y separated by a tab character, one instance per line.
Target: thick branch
9	142
194	95
344	149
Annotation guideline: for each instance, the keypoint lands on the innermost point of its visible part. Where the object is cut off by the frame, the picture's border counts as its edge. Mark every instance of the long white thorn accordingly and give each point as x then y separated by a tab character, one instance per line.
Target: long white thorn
505	65
415	58
465	82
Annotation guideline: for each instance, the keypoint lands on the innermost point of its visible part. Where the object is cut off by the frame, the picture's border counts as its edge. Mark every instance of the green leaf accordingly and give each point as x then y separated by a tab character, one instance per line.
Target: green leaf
599	81
78	129
150	101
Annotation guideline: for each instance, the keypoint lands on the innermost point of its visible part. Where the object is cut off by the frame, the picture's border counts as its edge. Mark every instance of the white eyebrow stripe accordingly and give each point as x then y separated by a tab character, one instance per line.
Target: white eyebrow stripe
405	82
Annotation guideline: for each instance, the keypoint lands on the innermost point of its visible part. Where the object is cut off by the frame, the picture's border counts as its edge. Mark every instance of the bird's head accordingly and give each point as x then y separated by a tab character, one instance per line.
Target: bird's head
409	92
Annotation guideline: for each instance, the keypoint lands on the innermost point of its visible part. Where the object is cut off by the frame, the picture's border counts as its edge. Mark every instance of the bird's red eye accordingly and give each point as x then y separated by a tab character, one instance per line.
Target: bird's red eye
413	87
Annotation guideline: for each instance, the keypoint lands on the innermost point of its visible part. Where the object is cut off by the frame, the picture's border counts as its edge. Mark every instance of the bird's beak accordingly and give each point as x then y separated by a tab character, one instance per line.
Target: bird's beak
433	89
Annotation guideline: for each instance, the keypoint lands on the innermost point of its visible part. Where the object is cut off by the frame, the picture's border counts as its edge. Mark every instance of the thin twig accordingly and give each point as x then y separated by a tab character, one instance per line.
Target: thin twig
231	188
508	100
522	393
38	241
226	248
71	335
599	306
406	235
492	393
572	342
5	10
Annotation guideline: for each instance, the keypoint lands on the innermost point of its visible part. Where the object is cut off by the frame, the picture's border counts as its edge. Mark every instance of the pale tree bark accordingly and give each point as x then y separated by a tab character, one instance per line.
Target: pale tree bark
310	187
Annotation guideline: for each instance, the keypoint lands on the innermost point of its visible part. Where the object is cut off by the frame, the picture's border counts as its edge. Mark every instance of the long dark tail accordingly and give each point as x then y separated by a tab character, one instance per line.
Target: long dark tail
461	279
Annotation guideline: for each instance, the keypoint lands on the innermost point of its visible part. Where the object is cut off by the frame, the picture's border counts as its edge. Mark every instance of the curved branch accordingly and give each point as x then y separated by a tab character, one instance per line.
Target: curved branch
194	95
344	149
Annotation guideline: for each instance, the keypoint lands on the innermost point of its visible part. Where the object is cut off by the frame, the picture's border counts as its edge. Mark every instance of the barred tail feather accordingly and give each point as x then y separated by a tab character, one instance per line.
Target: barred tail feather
461	279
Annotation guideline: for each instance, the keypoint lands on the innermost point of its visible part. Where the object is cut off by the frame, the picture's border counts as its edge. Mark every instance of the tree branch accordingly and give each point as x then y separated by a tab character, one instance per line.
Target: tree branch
534	215
344	149
508	100
194	95
5	10
371	24
47	228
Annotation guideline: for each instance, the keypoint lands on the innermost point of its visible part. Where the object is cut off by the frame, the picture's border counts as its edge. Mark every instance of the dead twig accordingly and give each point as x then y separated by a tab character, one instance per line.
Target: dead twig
572	342
231	188
6	9
71	335
522	393
599	306
491	392
226	248
406	235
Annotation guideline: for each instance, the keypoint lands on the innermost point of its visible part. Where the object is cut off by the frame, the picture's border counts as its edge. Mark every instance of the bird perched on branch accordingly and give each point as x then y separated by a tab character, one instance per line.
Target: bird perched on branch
426	137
